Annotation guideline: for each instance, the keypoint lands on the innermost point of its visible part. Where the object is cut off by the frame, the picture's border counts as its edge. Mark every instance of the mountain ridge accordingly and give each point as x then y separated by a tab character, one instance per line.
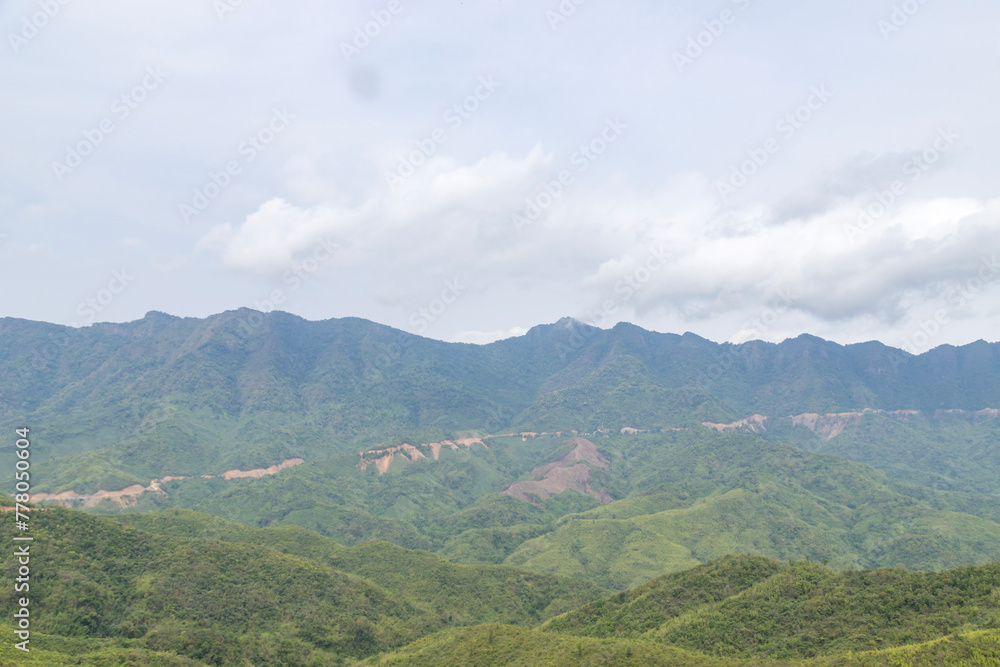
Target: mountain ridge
245	390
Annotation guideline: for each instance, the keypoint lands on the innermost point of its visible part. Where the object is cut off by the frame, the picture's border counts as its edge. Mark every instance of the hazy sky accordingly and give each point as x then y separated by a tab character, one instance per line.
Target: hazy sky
467	170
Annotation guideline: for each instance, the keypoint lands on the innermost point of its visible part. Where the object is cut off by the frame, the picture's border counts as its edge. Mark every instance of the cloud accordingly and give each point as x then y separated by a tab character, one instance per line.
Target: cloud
269	239
456	219
834	270
484	337
443	213
653	190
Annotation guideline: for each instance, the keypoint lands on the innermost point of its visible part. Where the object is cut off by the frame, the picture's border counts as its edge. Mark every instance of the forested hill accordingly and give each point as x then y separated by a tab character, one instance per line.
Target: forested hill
262	388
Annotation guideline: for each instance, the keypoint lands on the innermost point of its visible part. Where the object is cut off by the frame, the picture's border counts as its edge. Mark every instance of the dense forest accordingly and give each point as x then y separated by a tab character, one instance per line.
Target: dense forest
330	493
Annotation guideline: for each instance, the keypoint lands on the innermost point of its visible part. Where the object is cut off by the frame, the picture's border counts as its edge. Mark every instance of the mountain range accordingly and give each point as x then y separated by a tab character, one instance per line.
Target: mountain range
570	466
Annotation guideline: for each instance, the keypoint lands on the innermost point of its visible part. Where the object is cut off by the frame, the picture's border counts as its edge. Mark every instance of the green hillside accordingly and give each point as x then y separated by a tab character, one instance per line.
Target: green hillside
182	588
435	587
491	646
696	497
816	463
222	593
126	403
685	497
743	606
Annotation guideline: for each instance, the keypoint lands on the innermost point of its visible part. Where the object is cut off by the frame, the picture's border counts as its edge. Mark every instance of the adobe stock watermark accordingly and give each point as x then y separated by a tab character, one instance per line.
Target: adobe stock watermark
787	127
630	284
920	339
92	306
770	315
294	277
225	7
625	289
914	168
455	116
32	25
247	151
585	155
424	316
698	44
123	107
88	308
900	16
781	303
374	367
363	35
562	12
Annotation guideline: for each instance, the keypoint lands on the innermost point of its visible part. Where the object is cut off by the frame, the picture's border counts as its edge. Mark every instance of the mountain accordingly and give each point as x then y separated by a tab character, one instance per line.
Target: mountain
221	593
381	496
505	645
178	588
122	404
742	606
617	455
747	610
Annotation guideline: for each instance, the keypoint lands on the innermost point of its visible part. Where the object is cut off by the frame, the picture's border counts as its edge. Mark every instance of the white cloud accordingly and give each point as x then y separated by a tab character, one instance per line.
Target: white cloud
325	177
440	217
484	337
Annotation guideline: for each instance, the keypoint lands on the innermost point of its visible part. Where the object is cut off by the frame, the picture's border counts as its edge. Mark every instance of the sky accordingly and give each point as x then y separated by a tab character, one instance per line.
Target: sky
740	169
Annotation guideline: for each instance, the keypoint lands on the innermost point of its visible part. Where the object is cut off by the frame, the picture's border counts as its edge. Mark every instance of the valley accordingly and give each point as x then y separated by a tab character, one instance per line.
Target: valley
610	500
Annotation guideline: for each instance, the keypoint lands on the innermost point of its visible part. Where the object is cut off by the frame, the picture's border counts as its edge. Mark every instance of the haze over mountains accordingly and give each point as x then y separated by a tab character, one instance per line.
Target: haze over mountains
559	465
245	390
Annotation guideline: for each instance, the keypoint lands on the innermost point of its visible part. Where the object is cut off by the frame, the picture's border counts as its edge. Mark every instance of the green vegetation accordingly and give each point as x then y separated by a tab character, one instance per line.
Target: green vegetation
182	588
505	645
436	588
491	646
696	496
55	651
217	592
742	606
181	396
430	563
647	607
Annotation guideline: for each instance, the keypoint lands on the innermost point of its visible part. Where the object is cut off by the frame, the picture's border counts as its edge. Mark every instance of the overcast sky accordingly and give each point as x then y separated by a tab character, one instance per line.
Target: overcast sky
468	170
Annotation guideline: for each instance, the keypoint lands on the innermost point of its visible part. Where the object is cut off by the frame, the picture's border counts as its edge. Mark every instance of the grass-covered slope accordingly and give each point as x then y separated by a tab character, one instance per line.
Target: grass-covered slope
698	496
221	593
94	577
746	606
495	645
126	403
492	646
55	651
459	594
647	607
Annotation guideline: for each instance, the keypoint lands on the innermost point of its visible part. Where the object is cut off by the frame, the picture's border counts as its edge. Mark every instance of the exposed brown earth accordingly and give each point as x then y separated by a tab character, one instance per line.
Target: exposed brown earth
257	474
829	426
383	458
755	423
570	473
129	496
